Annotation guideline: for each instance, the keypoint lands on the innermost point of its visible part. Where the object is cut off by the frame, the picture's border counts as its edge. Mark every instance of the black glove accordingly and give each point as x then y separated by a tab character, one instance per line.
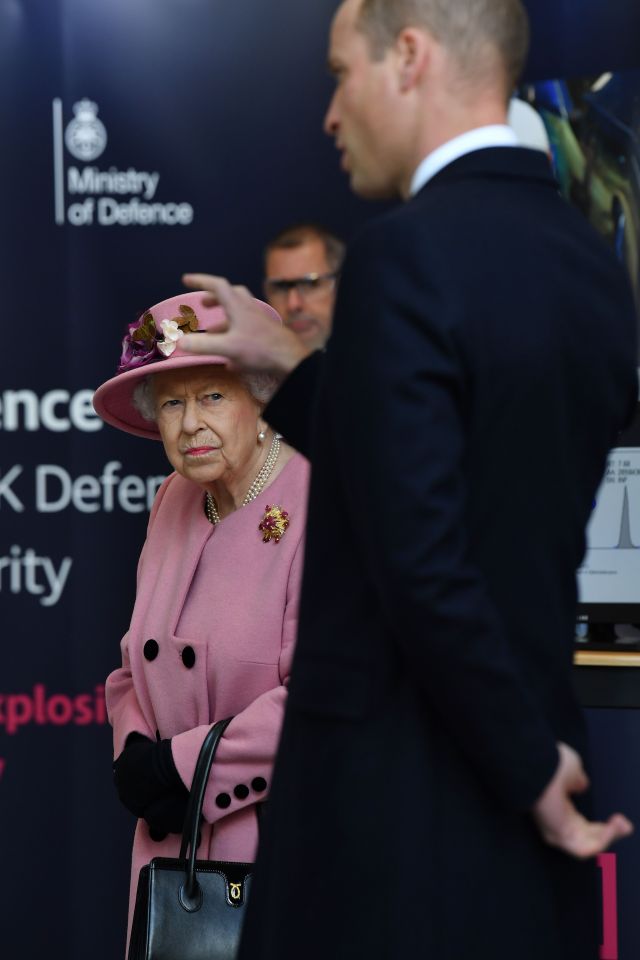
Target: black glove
167	814
144	773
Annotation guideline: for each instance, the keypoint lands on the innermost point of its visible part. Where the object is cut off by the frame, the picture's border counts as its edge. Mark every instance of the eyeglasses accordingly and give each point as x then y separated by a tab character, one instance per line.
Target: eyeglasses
309	286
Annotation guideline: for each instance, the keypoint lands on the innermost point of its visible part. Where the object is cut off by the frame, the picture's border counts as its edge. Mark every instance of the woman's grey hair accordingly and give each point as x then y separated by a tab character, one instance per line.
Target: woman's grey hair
143	400
261	386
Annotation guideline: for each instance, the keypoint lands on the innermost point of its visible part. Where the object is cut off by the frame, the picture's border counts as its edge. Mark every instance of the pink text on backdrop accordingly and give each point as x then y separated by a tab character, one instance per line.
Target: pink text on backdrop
609	948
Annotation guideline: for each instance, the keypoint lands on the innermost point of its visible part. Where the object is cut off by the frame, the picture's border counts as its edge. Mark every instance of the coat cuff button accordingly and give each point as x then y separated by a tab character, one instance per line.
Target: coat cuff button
151	649
223	800
259	784
241	792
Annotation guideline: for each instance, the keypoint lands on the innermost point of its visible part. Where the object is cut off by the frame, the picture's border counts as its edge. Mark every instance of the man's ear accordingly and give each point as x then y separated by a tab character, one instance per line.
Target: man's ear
413	52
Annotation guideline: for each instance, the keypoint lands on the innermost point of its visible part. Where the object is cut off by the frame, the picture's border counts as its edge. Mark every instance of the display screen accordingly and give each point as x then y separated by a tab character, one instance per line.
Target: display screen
593	130
609	578
592	127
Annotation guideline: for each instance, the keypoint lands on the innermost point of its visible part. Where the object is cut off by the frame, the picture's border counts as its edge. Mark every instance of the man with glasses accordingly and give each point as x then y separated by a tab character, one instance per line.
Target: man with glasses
301	269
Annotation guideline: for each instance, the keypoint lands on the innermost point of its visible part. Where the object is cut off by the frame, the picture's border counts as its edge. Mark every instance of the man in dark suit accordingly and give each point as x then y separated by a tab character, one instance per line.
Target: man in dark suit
482	362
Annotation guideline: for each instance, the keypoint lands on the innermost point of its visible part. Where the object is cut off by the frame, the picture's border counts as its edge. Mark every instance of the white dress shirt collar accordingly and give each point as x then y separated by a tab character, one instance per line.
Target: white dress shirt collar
496	135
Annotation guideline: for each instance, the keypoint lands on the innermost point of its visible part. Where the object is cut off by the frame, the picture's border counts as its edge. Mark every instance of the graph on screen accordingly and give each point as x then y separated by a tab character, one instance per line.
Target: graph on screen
611	569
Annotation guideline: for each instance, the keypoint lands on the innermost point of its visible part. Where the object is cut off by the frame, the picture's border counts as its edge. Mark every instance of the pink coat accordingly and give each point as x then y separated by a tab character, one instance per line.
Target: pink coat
221	607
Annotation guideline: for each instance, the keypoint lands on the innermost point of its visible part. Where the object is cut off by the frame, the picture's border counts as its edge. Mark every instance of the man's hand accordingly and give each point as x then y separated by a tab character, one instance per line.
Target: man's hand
561	825
250	339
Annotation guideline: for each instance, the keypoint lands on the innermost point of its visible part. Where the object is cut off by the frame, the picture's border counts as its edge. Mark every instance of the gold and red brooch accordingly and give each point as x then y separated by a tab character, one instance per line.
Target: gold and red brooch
274	524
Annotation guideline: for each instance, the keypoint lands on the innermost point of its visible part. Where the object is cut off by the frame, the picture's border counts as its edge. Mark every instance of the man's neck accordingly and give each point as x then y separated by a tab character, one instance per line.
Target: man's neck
448	125
496	135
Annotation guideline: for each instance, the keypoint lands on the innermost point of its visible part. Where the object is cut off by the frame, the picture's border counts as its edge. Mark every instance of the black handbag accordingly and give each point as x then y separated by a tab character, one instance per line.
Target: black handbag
188	909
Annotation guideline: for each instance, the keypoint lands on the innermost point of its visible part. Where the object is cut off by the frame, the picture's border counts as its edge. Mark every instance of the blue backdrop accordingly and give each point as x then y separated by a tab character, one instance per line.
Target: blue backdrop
140	138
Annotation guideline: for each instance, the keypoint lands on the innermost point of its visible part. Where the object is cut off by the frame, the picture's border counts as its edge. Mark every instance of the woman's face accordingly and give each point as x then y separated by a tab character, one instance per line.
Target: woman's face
209	423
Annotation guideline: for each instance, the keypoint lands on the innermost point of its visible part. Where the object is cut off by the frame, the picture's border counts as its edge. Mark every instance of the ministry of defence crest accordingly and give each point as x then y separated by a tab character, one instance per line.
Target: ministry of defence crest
85	135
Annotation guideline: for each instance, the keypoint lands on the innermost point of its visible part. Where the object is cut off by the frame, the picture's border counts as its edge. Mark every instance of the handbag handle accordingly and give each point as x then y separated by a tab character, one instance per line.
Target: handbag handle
190	894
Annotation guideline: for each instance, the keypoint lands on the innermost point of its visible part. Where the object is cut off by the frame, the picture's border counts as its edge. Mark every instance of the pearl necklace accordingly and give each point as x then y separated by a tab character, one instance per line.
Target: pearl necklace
256	488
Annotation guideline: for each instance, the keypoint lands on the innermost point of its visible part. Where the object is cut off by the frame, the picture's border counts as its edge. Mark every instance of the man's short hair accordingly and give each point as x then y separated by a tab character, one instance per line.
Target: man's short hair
299	233
466	28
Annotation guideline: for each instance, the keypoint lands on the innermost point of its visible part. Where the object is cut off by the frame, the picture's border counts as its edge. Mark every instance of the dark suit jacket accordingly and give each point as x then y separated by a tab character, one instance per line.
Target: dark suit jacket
482	362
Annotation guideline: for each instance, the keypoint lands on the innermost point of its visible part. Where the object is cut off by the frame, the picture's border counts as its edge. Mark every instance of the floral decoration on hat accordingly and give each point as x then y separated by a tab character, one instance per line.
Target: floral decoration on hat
274	524
144	343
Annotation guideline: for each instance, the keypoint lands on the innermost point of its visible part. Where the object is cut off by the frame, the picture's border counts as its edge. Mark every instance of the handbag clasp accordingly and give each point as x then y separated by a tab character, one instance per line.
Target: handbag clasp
235	892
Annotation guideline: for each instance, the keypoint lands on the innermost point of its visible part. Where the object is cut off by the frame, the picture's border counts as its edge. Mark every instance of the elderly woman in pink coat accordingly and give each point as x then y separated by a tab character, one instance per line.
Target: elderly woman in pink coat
214	621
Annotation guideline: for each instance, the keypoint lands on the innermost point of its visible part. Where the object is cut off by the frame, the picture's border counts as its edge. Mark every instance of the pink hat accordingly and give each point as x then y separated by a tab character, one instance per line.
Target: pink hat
152	345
